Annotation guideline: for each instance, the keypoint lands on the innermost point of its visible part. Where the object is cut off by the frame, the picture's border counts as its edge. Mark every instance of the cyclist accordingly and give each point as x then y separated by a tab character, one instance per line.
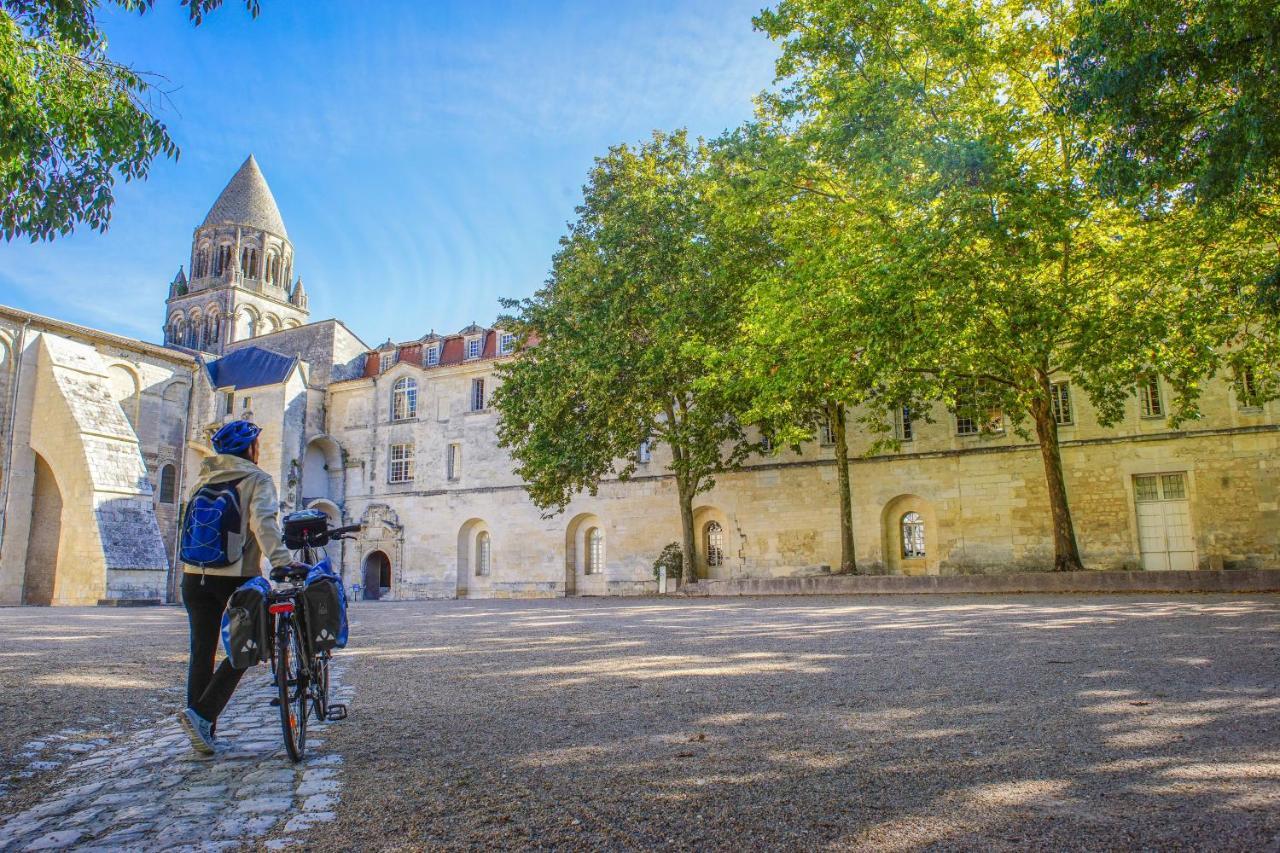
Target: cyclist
205	590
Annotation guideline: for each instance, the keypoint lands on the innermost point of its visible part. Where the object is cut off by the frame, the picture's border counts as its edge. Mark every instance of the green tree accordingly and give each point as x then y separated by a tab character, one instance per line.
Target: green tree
1024	274
1188	91
71	119
614	339
807	353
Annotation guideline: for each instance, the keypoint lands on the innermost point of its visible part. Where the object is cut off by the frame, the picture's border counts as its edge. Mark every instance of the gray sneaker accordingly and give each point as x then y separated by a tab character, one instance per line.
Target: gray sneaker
198	729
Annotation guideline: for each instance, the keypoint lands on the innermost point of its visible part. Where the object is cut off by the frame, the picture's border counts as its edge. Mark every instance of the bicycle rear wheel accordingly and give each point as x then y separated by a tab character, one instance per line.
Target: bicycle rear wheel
291	681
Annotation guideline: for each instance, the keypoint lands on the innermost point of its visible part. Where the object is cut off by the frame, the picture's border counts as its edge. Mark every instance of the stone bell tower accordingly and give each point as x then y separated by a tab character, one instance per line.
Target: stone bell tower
240	283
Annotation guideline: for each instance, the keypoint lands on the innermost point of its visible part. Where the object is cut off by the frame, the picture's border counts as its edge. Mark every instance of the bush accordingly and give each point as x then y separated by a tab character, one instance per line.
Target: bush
671	560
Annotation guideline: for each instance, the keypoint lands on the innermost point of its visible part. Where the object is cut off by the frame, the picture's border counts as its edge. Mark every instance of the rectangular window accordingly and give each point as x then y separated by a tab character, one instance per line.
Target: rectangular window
766	443
477	395
453	461
644	454
1060	398
401	468
230	400
1247	389
966	425
1160	487
1149	396
972	419
404	400
473	348
827	435
433	356
506	343
244	403
905	428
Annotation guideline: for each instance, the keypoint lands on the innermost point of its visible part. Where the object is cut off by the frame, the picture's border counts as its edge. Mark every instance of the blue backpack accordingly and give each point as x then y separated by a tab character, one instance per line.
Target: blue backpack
212	518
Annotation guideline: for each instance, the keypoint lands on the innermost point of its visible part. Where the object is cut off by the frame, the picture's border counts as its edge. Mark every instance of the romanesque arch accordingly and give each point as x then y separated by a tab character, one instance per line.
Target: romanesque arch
585	550
248	322
322	470
475	557
39	581
382	533
125	390
270	323
716	543
909	536
375	576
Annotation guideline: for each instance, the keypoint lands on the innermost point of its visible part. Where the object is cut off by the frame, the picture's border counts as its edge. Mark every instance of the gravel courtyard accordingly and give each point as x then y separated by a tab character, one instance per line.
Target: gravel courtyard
1064	722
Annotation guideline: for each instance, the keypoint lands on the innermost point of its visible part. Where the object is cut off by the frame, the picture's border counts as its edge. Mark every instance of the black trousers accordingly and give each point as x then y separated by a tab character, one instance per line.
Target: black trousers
207	691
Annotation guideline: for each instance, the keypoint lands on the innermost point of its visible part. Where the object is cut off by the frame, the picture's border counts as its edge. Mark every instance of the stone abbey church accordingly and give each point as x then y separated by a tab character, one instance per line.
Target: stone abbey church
102	436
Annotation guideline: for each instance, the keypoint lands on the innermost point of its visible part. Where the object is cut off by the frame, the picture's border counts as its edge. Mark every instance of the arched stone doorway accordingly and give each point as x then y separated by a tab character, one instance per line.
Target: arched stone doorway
44	536
376	576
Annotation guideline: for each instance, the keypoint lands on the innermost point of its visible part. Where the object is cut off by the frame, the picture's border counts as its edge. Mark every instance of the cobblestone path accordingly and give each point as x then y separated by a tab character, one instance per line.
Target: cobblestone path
150	791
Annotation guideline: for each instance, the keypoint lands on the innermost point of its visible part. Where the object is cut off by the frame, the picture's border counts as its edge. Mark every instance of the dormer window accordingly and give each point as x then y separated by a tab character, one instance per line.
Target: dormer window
432	357
387	359
473	347
506	343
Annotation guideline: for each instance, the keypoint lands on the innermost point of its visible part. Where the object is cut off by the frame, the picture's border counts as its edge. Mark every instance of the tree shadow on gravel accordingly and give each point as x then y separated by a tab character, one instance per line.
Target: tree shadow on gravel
890	723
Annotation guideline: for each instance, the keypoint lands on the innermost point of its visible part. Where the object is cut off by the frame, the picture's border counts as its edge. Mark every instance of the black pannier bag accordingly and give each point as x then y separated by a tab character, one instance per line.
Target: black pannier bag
324	613
245	625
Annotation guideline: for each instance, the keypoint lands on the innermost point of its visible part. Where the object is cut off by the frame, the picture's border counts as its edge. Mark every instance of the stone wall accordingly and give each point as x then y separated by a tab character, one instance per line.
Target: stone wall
105	415
983	498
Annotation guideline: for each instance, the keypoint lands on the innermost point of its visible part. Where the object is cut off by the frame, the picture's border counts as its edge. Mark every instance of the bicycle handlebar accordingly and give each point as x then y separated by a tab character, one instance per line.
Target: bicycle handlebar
339	531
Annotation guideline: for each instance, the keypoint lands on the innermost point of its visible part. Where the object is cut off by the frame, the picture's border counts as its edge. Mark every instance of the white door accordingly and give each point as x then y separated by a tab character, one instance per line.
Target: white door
1164	522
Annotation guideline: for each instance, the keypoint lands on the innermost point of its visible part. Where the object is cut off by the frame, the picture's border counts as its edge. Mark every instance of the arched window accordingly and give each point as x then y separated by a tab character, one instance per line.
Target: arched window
202	264
167	484
273	267
715	544
404	399
912	535
483	552
595	551
212	328
224	260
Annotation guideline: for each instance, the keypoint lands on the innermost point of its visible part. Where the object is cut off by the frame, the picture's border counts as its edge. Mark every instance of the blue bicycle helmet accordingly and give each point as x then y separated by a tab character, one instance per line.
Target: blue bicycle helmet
235	437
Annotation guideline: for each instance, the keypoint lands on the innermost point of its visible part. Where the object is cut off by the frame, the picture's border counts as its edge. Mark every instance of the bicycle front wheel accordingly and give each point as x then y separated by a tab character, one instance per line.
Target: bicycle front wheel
291	681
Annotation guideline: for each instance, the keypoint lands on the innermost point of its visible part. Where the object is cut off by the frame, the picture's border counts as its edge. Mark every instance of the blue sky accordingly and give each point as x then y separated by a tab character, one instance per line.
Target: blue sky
425	155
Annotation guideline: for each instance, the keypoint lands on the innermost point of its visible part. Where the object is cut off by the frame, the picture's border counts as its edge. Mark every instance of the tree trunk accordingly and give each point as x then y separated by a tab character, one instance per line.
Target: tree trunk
1066	555
688	549
848	558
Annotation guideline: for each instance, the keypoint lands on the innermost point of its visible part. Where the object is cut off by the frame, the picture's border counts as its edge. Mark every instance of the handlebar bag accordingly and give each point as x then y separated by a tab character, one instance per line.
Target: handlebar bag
245	624
324	607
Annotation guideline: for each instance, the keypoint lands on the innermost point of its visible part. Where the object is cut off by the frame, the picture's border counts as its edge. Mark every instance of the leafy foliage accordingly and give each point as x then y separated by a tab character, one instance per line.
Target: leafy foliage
951	122
1188	90
71	119
640	286
670	561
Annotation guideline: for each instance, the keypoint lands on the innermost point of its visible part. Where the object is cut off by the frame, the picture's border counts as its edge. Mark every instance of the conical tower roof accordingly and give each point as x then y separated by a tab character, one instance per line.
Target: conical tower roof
247	200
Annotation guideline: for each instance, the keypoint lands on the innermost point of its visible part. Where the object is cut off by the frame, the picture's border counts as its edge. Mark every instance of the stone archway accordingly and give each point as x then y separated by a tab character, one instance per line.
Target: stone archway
915	551
322	470
40	579
476	558
375	575
716	543
580	576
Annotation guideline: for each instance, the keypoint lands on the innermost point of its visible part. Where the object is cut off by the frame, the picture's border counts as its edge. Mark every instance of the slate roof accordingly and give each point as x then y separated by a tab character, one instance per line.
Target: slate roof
250	367
247	200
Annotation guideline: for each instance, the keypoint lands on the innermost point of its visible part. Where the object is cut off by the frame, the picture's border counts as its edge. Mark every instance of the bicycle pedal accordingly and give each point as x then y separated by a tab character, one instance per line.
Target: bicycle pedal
337	711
